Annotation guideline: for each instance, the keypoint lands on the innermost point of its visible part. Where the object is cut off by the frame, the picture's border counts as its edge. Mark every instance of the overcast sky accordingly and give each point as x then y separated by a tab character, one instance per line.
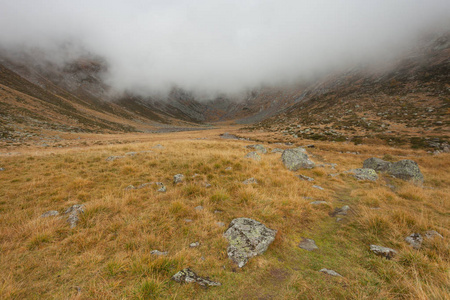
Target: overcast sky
220	45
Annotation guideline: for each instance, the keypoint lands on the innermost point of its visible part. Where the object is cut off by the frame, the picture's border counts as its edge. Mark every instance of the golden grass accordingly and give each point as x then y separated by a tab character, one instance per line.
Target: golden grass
107	256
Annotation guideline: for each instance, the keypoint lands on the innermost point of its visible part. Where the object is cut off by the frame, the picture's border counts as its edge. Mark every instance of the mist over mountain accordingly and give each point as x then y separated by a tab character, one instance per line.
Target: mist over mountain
216	47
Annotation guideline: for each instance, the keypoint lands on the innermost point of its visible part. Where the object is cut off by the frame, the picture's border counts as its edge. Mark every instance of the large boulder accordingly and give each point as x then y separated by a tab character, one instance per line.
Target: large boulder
377	164
247	238
295	159
407	170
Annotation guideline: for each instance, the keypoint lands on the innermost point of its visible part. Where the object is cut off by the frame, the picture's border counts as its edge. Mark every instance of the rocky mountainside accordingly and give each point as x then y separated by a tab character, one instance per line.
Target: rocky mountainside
405	103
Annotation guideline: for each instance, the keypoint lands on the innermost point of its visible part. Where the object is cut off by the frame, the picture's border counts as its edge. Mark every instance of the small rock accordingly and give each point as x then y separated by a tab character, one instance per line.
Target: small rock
130	187
318	187
206	185
253	155
303	177
158	146
199	207
178	178
228	168
2	169
112	158
50	213
131	153
159	253
385	252
162	189
217	211
188	220
330	272
220	224
431	234
415	240
318	202
341	211
189	276
194	245
73	213
308	244
250	181
247	238
259	148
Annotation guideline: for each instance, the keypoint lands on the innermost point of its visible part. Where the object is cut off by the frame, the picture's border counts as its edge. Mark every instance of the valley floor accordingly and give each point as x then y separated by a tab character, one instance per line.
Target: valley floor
107	255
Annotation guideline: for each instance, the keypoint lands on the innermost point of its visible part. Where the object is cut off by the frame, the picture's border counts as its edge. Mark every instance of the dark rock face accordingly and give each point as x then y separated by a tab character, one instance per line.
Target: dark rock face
407	170
385	252
295	159
247	238
189	276
377	164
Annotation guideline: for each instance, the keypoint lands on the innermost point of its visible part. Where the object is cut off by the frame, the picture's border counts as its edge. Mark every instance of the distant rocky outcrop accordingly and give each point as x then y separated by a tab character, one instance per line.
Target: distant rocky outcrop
247	238
295	159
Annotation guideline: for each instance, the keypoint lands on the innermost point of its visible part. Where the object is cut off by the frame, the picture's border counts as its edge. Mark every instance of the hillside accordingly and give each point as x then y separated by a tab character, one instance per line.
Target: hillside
406	103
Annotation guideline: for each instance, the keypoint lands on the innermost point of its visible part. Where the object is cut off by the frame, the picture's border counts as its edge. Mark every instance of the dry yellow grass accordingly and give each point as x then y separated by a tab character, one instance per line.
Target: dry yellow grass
107	256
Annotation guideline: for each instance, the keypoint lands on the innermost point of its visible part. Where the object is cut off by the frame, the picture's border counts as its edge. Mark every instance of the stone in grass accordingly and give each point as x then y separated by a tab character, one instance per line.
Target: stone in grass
318	187
199	207
308	244
406	170
159	253
385	252
178	178
162	189
303	177
364	174
74	211
189	276
318	202
250	181
330	272
113	158
158	146
295	159
253	155
2	169
415	240
343	211
51	213
258	147
220	224
431	234
247	238
194	245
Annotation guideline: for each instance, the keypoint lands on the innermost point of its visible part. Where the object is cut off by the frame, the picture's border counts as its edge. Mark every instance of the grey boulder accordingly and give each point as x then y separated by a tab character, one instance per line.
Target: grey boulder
308	244
330	272
295	159
415	240
178	178
73	213
407	170
247	238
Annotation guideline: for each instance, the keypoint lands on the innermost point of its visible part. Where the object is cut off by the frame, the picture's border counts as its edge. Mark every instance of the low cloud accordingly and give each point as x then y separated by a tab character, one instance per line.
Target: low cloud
219	46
